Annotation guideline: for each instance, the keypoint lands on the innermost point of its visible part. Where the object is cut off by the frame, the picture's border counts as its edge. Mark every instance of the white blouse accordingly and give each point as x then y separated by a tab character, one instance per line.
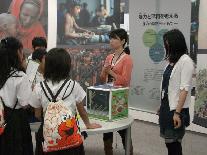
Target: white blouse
16	88
181	79
39	99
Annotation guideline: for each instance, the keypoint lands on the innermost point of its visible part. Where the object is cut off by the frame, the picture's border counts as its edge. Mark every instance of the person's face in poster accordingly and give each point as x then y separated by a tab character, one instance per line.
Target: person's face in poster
11	29
87	60
76	10
28	14
8	25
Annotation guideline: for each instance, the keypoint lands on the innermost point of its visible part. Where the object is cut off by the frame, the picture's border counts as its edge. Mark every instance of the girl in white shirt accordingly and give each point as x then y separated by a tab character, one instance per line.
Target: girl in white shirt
56	72
39	56
15	91
176	92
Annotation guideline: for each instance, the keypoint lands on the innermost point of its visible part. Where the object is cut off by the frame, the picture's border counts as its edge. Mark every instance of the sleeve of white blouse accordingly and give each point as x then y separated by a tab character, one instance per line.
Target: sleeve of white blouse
186	75
24	91
79	93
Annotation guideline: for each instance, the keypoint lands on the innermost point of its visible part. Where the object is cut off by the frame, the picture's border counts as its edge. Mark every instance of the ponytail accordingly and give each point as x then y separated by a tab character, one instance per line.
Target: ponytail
127	50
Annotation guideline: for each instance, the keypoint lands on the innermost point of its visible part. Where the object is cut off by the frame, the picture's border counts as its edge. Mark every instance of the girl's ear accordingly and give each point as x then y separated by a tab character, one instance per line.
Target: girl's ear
123	41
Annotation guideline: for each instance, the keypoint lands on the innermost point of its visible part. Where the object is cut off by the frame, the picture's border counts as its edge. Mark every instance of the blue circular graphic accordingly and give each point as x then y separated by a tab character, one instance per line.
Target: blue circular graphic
160	36
157	53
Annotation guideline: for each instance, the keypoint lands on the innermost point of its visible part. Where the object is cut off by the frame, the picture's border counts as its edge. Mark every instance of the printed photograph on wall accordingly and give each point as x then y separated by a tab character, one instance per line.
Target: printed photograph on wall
86	22
199	50
194	29
87	64
24	19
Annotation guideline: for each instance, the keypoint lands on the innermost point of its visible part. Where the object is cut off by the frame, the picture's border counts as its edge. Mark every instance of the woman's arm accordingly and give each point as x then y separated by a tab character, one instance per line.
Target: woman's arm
106	68
103	75
181	101
185	88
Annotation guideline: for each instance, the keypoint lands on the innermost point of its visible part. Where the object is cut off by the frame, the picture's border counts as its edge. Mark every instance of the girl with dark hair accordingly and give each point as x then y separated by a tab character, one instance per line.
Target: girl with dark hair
57	79
15	91
117	69
176	92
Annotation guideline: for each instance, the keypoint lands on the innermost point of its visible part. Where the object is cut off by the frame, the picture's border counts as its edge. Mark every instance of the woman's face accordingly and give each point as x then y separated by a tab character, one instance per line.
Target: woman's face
116	43
28	14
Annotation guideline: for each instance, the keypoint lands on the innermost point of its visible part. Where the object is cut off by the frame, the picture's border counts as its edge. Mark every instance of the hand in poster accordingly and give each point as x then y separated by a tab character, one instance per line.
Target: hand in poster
88	34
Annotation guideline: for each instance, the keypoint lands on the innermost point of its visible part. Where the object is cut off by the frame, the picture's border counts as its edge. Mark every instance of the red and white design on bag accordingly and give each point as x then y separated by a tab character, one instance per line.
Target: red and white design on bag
60	128
2	121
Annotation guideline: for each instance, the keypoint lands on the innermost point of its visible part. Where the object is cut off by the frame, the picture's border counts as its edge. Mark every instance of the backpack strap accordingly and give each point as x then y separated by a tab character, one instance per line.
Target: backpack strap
70	91
54	97
66	89
41	84
12	74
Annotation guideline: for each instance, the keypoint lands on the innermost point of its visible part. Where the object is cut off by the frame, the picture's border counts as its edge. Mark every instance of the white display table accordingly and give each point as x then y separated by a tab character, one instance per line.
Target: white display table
106	127
112	127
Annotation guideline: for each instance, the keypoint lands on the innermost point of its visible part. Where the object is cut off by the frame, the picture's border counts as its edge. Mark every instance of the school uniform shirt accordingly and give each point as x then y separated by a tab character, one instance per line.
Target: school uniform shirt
16	88
122	68
39	99
181	79
38	78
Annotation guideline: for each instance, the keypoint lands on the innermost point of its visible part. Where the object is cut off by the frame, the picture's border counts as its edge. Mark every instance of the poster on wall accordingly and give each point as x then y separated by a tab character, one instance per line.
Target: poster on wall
200	108
87	64
149	20
24	19
82	29
86	23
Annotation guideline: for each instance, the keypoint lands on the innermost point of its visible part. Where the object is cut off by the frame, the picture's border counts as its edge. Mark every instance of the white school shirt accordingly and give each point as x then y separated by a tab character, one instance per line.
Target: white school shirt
16	88
39	99
180	79
38	78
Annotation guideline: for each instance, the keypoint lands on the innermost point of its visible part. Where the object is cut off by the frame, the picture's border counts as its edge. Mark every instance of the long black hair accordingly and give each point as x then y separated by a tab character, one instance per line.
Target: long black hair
175	45
57	65
9	59
122	35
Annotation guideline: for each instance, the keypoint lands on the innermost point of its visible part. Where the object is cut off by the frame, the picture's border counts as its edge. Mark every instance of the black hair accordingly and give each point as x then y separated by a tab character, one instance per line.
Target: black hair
57	65
9	59
175	45
72	4
85	5
38	54
39	42
122	35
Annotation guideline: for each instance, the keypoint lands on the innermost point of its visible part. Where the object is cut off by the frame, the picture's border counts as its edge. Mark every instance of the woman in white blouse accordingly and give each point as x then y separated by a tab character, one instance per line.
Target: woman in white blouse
175	92
15	92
